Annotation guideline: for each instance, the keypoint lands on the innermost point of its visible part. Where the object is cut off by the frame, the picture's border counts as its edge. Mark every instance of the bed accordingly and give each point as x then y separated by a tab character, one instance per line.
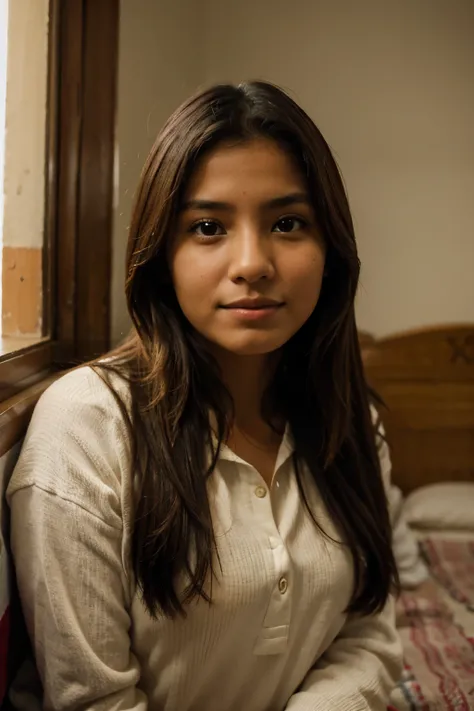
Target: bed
426	379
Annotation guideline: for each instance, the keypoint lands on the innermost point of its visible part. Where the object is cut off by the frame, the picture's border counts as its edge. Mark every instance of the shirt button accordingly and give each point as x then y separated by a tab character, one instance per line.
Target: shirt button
261	492
283	585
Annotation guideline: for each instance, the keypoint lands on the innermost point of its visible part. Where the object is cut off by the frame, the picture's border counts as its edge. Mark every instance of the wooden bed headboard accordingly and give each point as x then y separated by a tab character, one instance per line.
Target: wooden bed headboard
426	378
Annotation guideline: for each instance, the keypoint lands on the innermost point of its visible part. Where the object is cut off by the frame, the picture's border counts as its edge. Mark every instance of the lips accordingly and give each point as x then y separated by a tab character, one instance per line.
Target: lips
253	304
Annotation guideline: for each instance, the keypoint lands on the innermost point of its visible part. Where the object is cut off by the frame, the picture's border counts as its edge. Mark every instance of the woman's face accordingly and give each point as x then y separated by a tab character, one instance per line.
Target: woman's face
247	260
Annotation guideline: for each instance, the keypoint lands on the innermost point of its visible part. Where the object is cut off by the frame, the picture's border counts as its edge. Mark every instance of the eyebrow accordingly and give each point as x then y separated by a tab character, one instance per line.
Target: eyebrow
281	201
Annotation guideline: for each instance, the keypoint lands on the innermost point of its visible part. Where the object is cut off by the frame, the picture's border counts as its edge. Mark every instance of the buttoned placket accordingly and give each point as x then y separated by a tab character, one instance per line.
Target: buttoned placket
273	636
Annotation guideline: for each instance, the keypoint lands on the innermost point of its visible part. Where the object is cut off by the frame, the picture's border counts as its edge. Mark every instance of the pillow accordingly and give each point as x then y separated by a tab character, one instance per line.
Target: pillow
441	506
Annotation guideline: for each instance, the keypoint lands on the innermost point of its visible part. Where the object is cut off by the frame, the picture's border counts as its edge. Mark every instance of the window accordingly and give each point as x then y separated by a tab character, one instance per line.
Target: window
24	77
57	104
57	119
3	93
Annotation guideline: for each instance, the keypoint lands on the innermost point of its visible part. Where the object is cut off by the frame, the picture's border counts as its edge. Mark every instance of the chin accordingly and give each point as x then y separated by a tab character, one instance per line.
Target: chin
252	346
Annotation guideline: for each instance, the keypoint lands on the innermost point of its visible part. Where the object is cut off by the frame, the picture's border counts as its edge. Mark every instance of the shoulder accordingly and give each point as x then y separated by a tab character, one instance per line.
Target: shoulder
77	443
80	406
83	389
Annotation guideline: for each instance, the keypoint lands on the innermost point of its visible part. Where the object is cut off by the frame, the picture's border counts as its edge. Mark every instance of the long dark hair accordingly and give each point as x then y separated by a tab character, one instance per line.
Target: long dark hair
319	386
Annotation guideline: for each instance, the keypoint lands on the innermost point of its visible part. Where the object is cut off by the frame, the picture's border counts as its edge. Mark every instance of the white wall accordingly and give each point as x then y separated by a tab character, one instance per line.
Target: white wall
391	85
159	66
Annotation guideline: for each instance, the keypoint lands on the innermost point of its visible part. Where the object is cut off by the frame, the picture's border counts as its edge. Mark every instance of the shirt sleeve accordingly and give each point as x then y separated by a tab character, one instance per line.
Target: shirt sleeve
411	566
68	545
359	669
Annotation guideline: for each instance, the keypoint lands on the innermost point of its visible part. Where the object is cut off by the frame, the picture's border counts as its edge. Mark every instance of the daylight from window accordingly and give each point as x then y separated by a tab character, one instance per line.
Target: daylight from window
3	95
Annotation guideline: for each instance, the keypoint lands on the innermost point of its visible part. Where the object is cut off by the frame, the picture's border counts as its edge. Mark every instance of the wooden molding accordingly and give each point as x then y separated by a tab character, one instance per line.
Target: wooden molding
88	43
51	171
15	413
426	379
71	273
24	367
68	161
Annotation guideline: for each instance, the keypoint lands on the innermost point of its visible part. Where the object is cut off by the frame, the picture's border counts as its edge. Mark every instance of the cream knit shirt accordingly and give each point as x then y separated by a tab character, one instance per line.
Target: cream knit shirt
276	636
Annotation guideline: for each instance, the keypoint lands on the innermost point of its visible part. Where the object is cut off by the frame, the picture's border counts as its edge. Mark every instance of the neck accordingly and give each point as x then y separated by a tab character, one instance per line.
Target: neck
246	378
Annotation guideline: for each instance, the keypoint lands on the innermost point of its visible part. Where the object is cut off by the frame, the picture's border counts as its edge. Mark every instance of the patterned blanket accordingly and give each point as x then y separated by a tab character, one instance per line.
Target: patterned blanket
438	634
452	564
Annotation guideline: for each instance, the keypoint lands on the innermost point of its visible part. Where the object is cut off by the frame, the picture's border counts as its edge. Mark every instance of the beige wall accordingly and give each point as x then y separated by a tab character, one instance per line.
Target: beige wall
25	123
22	228
390	84
159	65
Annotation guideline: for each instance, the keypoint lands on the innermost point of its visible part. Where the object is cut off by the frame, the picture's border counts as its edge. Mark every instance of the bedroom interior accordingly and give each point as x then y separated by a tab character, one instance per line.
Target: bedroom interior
407	154
426	380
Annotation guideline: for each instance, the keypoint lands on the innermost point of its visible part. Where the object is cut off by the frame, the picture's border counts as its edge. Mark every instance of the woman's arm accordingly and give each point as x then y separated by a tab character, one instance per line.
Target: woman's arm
411	567
359	669
68	547
72	591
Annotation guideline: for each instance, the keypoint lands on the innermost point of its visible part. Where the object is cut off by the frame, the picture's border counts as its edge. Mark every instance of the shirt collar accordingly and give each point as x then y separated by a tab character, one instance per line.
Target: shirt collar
287	447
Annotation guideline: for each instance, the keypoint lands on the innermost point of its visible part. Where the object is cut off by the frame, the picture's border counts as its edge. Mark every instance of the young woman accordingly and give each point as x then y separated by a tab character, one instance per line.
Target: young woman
199	521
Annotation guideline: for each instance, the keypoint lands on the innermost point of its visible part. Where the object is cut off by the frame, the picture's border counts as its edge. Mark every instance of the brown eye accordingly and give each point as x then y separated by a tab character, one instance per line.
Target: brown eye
289	224
207	228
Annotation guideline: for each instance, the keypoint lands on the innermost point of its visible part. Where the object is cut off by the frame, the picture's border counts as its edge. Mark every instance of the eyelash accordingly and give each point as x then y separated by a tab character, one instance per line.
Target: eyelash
210	220
296	218
204	221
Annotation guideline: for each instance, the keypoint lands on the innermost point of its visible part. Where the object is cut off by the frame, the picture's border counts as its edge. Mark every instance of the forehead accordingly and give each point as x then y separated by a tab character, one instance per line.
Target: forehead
259	166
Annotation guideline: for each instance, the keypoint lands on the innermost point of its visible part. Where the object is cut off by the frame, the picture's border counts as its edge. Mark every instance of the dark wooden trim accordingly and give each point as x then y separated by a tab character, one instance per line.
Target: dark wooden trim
15	413
69	146
82	79
51	169
88	77
22	368
94	237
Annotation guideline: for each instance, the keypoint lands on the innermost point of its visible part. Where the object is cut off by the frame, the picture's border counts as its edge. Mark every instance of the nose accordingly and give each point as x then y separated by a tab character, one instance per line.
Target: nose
251	257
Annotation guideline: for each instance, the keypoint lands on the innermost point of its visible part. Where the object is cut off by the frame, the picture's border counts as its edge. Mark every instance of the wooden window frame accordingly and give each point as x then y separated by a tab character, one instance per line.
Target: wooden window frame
80	143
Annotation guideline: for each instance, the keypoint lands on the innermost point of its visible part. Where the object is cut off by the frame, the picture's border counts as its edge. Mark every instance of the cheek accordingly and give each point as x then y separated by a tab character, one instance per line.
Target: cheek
193	278
305	275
